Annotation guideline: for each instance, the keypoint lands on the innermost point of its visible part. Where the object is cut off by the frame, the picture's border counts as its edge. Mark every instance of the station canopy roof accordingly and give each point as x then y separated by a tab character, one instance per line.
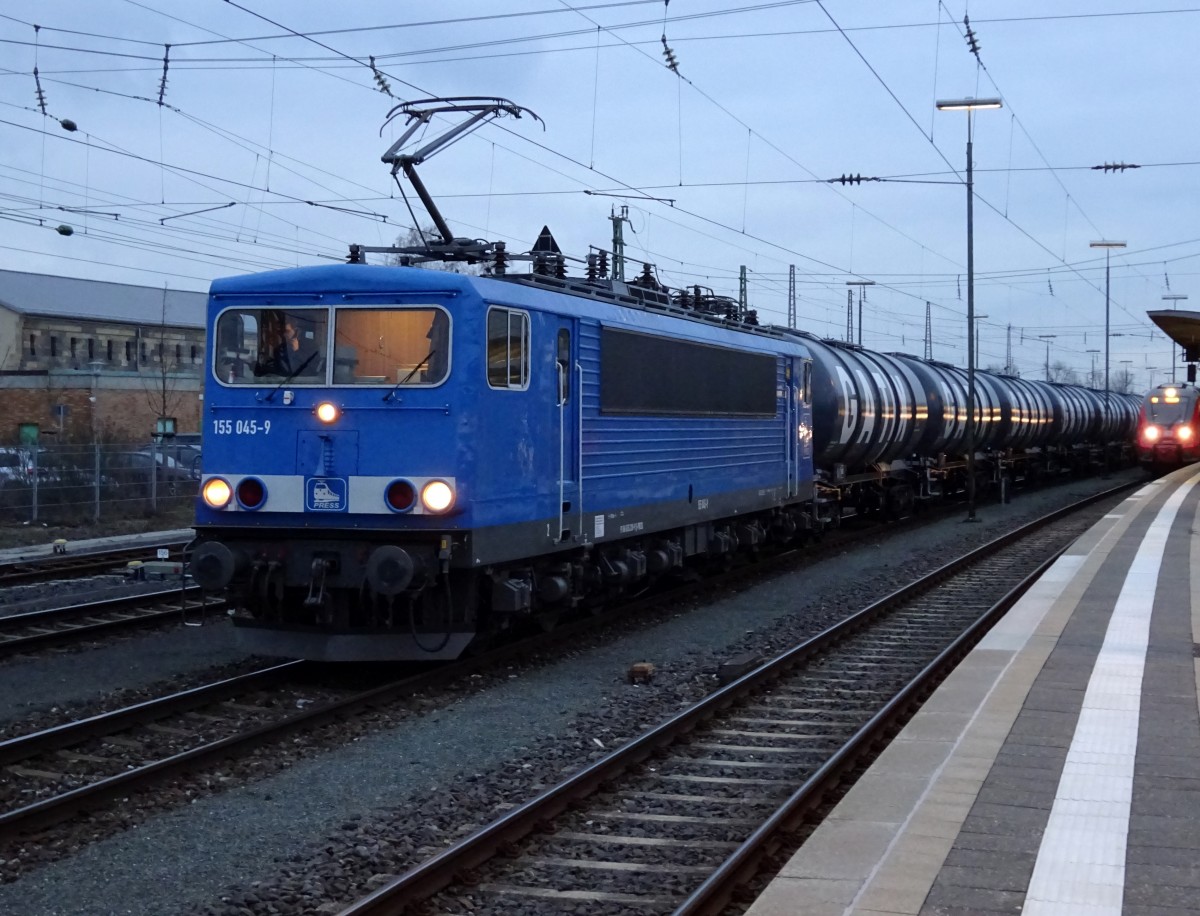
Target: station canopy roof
1181	326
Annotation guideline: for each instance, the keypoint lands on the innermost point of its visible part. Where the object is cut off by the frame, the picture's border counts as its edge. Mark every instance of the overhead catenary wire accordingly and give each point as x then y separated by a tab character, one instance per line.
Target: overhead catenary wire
279	203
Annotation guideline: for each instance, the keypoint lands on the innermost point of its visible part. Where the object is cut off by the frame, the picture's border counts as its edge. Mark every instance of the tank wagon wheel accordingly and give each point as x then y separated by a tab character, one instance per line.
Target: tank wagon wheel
984	483
900	501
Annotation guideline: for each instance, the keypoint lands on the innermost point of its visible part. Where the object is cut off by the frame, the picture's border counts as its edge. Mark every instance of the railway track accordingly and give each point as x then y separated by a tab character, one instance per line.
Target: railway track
678	818
72	564
76	622
55	774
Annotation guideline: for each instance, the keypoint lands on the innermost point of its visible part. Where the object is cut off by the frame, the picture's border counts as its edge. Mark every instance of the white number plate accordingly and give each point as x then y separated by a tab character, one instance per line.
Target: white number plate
241	427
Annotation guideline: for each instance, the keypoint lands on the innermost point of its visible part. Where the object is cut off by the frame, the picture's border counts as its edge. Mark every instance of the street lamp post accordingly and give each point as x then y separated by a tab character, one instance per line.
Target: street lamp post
1173	298
1108	247
969	106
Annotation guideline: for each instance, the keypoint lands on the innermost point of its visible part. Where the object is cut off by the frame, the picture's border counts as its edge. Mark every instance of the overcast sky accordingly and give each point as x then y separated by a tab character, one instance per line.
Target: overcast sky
725	164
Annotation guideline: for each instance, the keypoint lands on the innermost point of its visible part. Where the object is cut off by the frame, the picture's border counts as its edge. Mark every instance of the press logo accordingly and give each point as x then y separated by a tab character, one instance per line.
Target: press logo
326	494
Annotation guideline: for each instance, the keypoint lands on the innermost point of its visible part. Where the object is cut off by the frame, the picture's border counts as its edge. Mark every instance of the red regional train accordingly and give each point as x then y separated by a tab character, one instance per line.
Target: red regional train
1169	427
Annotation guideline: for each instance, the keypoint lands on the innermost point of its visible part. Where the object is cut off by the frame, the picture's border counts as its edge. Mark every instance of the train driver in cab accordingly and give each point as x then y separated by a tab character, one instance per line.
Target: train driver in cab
300	351
295	351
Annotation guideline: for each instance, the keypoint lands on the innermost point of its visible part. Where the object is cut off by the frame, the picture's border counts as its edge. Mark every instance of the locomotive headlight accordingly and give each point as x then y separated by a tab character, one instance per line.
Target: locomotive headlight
217	492
437	496
327	412
1151	433
1183	433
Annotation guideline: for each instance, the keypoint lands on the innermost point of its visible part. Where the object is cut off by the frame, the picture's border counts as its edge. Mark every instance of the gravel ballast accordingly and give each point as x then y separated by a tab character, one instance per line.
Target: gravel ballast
298	839
39	683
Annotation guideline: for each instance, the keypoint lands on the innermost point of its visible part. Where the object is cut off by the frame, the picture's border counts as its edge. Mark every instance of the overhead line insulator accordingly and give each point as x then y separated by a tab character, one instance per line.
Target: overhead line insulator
381	82
972	41
162	83
852	179
41	96
672	63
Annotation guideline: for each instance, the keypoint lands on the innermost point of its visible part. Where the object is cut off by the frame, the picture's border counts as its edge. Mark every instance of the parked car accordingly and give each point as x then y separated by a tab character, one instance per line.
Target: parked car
16	467
55	469
178	469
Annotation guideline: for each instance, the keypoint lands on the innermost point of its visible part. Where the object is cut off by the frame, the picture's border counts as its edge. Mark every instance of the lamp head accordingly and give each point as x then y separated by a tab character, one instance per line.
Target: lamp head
967	104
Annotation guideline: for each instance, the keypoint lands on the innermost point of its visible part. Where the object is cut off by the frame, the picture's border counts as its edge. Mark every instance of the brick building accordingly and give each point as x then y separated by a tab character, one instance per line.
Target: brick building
82	357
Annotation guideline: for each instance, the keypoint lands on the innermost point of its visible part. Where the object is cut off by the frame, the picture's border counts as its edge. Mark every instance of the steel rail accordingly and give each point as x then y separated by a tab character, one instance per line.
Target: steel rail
62	807
136	609
717	890
441	870
23	747
59	565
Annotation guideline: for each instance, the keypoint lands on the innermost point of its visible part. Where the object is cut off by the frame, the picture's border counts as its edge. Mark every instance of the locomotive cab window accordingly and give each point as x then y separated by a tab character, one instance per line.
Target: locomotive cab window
392	347
507	349
254	346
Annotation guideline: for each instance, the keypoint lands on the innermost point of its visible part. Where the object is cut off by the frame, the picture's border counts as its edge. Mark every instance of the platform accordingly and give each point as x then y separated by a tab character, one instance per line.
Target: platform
1056	771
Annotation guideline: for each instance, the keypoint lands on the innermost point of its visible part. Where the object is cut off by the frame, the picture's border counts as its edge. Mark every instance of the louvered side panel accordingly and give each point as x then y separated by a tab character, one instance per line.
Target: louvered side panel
643	458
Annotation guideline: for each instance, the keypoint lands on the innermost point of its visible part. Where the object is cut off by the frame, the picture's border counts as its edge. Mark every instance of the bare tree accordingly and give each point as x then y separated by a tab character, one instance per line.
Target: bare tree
415	238
1121	382
55	405
161	387
1061	372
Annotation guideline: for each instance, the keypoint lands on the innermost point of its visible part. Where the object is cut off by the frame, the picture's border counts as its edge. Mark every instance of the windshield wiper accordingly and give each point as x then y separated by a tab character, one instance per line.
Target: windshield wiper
300	368
404	381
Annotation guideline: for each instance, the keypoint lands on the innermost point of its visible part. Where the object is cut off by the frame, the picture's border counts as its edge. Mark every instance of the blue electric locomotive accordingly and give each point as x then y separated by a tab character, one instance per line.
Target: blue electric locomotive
398	459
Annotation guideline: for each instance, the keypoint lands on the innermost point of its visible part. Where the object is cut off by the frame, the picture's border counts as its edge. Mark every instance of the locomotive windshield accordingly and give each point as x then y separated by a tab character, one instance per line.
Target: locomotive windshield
391	347
379	346
257	345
